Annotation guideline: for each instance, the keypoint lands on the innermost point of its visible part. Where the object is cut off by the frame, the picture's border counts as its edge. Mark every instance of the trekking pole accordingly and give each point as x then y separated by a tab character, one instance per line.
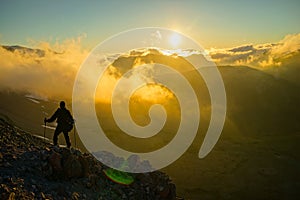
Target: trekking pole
44	129
75	136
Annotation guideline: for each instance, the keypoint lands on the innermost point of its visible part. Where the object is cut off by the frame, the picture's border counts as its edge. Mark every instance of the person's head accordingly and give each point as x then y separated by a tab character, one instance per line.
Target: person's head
62	105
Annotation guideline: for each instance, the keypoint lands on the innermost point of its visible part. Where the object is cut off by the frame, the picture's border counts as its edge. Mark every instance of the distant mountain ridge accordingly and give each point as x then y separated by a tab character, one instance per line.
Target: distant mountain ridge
267	99
24	50
260	103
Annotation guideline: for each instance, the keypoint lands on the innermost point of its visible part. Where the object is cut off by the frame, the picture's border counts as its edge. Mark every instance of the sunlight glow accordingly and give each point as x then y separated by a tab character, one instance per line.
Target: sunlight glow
175	39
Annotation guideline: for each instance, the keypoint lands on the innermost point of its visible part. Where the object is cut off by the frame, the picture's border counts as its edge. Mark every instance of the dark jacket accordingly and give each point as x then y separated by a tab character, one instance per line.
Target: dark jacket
63	117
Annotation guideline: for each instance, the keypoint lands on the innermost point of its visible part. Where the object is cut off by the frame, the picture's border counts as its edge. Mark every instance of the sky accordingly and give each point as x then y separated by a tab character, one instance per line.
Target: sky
213	24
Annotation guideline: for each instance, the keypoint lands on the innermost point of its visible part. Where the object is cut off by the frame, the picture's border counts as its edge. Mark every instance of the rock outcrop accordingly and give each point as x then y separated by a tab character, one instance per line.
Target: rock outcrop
32	169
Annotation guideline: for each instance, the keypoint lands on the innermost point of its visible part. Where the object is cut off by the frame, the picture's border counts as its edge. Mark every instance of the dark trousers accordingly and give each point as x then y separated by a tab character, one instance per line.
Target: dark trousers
57	131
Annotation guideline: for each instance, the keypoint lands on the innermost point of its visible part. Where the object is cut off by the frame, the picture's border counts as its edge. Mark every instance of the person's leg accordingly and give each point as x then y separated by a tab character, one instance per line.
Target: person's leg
55	136
66	134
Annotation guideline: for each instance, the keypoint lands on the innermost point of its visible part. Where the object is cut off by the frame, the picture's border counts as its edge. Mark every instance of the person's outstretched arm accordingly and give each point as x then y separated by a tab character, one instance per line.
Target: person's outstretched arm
53	117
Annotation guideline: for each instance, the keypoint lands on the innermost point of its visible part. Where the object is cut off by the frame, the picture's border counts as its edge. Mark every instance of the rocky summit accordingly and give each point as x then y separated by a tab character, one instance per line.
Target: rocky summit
33	169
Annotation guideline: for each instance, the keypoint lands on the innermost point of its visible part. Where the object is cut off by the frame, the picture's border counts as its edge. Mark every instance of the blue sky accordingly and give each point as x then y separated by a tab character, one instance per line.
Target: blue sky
214	23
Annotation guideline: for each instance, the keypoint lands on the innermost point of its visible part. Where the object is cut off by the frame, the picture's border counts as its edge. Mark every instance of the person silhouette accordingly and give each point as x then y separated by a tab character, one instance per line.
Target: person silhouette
64	121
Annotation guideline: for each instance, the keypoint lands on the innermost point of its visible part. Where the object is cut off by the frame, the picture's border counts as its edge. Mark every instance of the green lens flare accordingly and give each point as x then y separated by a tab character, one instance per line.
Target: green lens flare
118	176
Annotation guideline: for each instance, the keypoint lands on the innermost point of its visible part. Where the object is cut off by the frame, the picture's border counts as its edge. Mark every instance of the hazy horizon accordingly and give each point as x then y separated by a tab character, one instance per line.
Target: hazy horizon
23	70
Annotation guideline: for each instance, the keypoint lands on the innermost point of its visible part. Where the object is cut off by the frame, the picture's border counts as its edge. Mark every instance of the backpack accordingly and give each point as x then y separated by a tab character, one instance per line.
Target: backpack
69	125
66	119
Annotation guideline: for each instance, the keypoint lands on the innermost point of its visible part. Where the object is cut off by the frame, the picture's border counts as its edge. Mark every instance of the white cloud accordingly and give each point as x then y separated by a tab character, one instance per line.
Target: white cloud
262	55
289	44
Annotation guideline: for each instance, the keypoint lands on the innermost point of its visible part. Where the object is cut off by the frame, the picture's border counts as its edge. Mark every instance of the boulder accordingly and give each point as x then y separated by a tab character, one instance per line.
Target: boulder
55	161
84	164
72	167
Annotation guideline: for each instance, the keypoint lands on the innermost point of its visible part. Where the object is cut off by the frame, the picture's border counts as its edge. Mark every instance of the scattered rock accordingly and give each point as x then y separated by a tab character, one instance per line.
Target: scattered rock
72	167
75	196
12	196
55	161
32	169
43	196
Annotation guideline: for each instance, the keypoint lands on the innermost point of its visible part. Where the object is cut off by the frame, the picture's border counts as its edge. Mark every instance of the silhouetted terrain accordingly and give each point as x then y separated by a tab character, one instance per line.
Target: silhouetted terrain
32	169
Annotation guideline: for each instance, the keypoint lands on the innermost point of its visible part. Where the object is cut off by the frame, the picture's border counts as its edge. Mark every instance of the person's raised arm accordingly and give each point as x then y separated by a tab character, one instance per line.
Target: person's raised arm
53	117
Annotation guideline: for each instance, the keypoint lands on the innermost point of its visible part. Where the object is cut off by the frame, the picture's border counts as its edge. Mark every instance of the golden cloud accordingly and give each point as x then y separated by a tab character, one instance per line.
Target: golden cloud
48	71
258	56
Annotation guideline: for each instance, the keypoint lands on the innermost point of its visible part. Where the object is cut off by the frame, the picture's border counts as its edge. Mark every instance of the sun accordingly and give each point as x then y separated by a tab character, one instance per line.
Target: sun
175	39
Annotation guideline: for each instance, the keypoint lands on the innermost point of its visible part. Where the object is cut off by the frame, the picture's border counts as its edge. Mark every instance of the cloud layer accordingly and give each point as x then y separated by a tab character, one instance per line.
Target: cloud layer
47	72
258	56
50	71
